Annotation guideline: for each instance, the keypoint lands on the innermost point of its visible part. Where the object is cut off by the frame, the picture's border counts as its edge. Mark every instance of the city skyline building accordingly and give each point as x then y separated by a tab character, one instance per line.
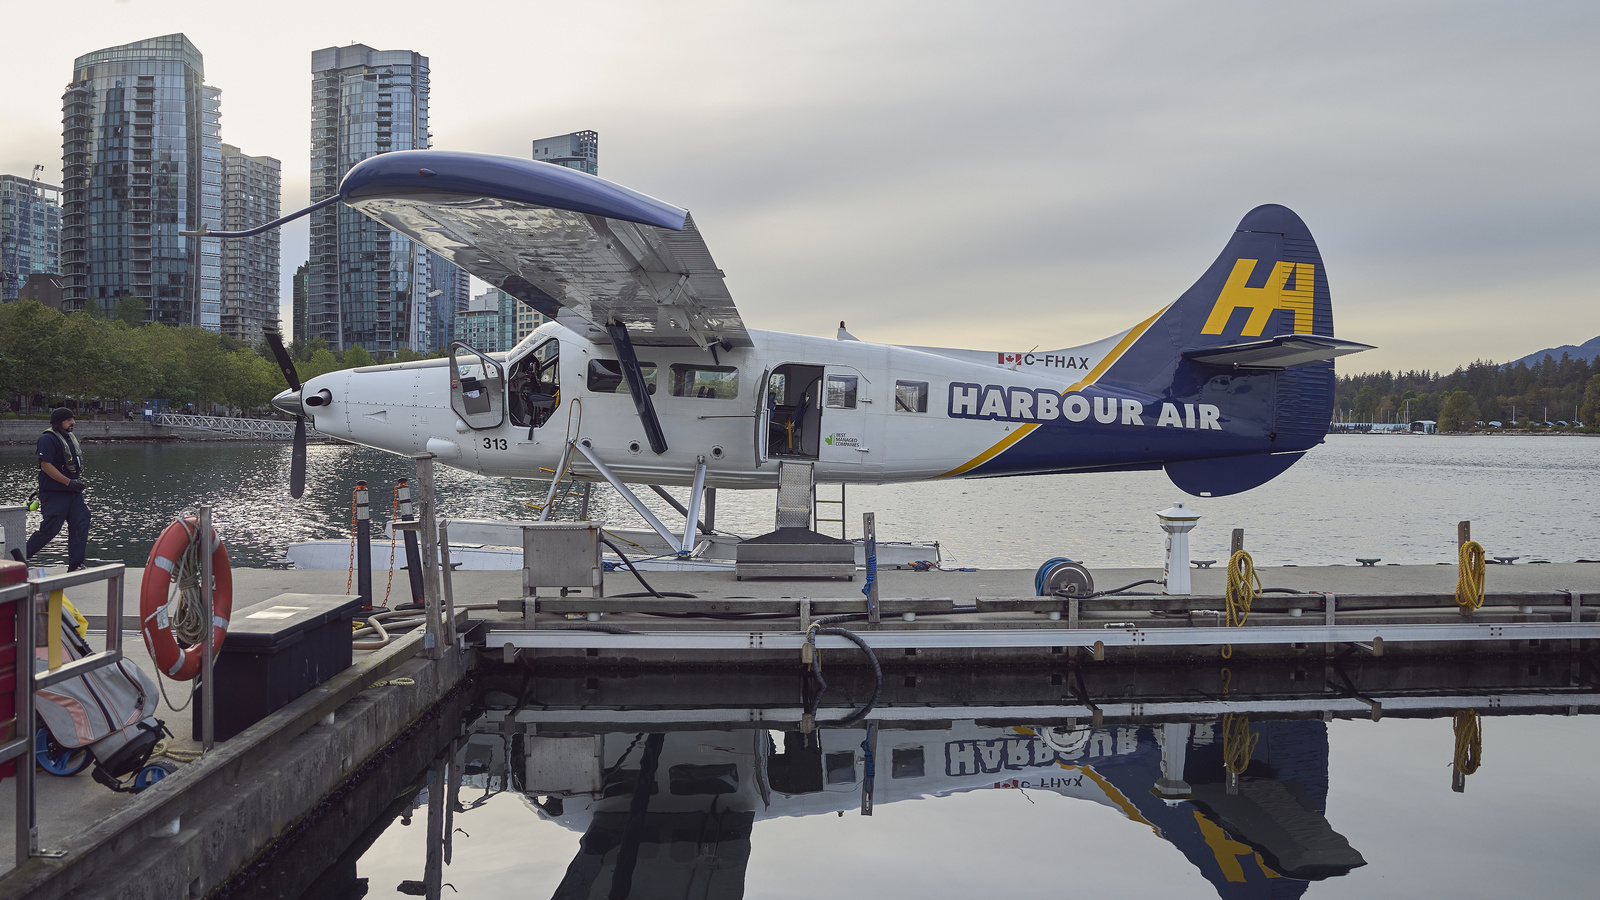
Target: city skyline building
528	319
489	323
251	196
449	290
141	162
298	287
578	150
30	232
367	285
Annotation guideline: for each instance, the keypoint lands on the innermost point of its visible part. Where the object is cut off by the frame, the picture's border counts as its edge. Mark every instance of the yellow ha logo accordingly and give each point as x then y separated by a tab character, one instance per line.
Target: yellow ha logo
1264	301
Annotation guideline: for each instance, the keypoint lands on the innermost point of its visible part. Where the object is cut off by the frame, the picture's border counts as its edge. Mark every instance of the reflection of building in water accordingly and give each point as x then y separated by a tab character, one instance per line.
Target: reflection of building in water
672	814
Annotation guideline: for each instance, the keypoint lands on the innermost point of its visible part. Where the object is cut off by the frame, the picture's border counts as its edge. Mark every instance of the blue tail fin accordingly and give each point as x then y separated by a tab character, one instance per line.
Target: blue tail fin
1267	285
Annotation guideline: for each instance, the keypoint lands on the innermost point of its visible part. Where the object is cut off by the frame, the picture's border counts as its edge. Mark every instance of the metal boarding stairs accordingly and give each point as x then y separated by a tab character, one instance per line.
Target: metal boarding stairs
799	506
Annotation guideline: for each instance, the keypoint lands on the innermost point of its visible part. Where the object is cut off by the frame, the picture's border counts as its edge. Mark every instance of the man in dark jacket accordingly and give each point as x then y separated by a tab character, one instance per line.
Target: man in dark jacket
61	490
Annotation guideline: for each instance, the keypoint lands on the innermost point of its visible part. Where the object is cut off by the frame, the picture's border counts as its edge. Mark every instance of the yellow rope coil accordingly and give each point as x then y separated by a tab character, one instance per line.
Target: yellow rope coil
1469	583
1469	742
1238	744
1244	588
162	748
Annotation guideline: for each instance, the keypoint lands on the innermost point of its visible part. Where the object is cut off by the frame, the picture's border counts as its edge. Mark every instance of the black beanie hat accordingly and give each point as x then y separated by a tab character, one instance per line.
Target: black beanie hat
60	414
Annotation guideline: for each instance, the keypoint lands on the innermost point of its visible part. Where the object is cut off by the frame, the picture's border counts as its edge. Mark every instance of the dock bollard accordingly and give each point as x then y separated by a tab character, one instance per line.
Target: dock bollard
1177	521
363	546
413	550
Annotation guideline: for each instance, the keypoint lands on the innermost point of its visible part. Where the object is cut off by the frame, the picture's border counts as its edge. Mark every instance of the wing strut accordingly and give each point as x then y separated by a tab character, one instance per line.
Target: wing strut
635	378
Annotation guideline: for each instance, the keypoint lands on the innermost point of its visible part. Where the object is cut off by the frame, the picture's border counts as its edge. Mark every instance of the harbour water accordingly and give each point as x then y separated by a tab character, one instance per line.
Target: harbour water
1394	497
580	787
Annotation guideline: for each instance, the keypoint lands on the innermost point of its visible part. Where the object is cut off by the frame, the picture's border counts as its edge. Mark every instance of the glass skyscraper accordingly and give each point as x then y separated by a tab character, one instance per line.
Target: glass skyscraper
142	161
367	285
30	232
448	291
251	196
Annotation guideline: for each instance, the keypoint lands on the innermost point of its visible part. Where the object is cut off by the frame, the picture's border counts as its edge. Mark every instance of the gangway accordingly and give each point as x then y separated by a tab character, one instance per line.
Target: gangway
238	429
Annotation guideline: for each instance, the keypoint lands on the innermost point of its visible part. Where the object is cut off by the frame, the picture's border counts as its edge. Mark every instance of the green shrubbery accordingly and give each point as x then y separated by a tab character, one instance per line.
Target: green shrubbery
84	358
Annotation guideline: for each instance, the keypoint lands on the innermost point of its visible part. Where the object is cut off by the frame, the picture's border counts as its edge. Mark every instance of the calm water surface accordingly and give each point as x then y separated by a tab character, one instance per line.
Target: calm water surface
1394	497
599	787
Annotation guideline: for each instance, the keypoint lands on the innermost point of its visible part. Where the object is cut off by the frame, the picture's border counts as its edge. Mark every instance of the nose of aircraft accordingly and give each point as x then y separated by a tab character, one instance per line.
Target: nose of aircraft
289	402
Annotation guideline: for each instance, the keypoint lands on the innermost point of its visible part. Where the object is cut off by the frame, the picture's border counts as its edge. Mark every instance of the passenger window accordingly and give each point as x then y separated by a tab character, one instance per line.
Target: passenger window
906	762
709	382
911	396
605	377
841	767
688	779
842	392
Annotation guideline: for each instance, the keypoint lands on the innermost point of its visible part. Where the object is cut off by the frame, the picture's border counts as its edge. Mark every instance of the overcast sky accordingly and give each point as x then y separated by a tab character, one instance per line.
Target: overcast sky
995	175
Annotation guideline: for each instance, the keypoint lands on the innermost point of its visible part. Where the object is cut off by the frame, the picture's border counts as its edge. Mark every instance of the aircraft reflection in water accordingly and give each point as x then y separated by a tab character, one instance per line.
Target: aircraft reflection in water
672	814
1227	767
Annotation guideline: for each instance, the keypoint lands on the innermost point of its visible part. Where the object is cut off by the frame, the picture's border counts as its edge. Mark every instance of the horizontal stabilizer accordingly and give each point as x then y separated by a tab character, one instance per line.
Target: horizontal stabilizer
1284	352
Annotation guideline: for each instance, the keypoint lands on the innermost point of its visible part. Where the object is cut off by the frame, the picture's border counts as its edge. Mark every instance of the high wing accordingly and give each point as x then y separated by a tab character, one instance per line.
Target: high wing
576	247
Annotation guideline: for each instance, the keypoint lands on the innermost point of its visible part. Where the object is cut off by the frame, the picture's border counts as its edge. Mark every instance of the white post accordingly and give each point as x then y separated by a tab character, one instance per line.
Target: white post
208	687
1171	787
1177	521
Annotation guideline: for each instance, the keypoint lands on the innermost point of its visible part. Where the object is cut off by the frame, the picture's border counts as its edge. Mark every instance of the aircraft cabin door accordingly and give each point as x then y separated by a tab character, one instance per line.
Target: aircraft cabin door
847	431
477	388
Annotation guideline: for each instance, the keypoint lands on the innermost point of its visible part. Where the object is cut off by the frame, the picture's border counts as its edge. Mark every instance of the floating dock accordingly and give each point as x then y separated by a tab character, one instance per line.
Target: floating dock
992	617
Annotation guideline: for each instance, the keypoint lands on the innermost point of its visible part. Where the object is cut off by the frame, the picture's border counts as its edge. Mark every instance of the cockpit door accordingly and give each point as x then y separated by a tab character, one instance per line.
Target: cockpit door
764	405
477	388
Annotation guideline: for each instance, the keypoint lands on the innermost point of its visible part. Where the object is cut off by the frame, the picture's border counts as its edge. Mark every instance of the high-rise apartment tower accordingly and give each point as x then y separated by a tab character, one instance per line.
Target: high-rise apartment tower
367	285
30	232
142	161
251	196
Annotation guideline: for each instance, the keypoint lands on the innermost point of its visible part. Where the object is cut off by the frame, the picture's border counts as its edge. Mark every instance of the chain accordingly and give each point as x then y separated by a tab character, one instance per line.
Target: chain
350	575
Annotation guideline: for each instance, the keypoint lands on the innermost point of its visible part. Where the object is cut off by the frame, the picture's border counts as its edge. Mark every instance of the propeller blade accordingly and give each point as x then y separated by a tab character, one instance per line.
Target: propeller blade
284	361
297	462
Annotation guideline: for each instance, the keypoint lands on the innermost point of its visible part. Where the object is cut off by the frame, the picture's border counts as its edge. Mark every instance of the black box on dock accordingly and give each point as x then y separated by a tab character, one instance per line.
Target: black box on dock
275	652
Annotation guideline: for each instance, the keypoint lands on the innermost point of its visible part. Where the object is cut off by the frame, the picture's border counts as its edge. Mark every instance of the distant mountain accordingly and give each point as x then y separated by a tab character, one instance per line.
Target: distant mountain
1588	350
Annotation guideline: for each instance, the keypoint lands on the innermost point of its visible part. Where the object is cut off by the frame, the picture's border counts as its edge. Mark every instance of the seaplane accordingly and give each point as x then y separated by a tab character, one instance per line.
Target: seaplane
646	374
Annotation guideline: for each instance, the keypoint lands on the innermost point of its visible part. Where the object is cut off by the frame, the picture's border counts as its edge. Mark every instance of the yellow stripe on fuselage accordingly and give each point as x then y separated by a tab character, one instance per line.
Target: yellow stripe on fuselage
1093	376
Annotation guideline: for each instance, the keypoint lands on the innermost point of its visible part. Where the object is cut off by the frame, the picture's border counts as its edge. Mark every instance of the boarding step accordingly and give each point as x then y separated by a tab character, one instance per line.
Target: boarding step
795	553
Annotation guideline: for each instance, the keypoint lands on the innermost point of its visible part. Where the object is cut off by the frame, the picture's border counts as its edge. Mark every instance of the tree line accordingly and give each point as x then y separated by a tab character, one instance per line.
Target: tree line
1551	389
88	360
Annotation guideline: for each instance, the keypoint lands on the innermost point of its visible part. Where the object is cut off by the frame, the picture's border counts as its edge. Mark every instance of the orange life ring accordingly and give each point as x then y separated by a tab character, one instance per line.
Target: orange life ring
181	663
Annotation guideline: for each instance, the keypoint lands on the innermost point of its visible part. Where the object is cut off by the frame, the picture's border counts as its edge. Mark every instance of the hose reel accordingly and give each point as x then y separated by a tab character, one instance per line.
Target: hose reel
1064	578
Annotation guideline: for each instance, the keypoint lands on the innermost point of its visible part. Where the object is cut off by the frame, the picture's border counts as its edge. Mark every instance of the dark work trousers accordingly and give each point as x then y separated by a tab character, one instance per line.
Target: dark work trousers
63	507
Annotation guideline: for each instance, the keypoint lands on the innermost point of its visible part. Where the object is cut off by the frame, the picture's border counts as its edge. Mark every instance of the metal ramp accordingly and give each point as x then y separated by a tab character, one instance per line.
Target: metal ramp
793	550
796	487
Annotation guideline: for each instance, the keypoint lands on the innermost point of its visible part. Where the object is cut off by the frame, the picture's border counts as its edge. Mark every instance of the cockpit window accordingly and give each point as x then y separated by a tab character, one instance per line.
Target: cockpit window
605	377
712	382
536	385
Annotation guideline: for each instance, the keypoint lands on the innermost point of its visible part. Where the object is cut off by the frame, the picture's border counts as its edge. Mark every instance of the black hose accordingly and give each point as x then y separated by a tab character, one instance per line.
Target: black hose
822	684
629	563
1119	590
657	594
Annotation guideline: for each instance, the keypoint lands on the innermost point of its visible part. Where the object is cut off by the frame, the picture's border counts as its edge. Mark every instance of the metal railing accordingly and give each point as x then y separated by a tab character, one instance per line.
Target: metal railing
36	592
241	429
